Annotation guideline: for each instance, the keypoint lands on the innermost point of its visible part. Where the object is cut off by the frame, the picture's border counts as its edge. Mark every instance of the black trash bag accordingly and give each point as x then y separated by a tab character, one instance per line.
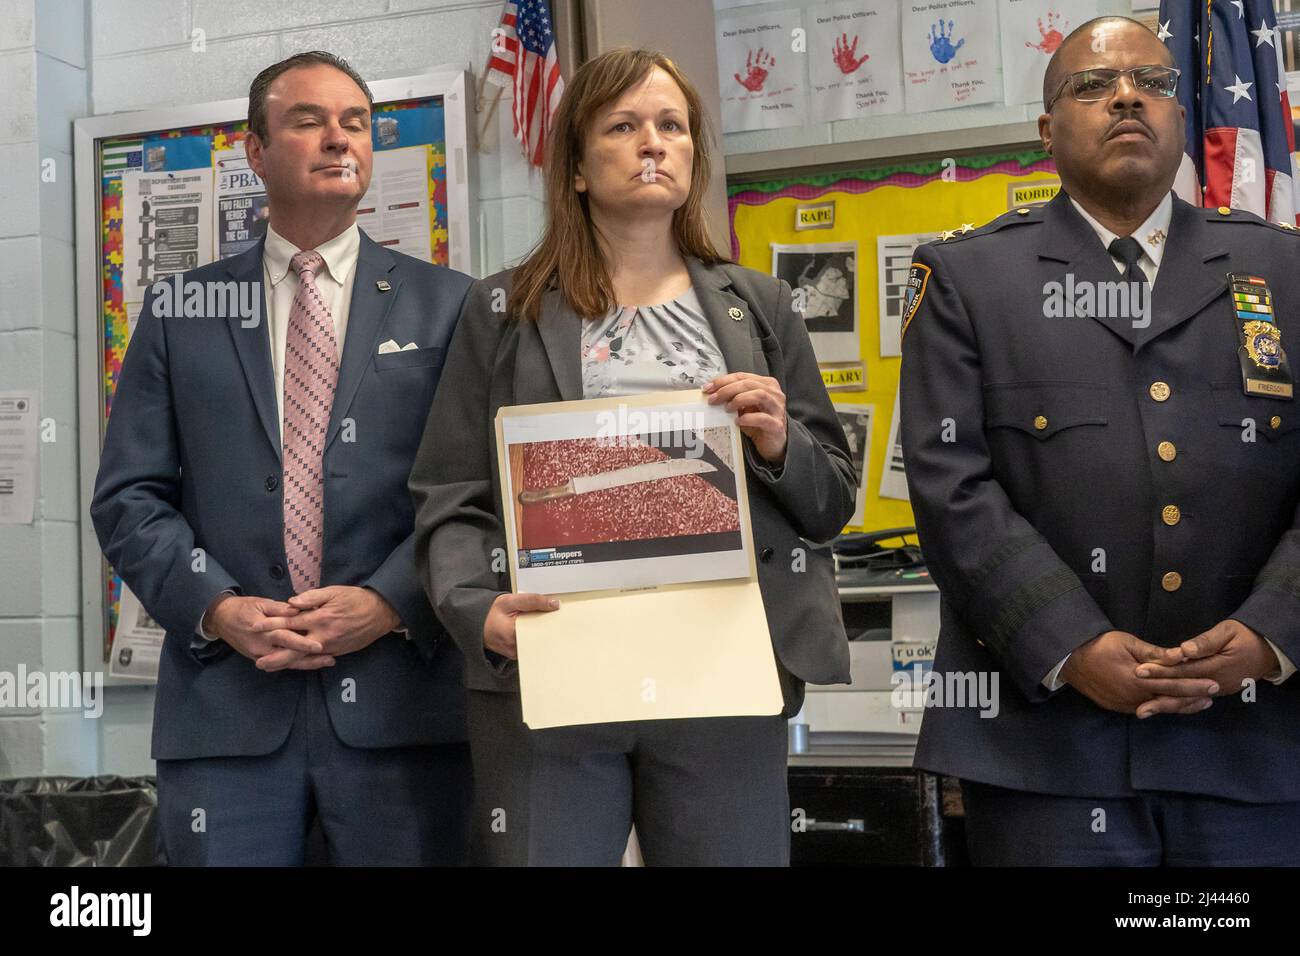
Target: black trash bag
75	821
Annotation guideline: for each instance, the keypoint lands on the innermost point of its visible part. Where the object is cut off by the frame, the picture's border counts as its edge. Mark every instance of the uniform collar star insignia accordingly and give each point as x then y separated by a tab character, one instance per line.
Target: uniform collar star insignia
1157	236
946	235
966	227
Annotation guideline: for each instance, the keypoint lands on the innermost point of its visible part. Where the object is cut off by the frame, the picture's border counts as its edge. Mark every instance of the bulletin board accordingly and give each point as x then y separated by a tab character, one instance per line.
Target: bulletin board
425	116
895	198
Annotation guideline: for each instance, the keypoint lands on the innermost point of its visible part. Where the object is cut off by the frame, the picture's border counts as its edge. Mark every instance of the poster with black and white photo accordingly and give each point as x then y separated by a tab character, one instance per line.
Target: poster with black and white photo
893	477
824	278
856	422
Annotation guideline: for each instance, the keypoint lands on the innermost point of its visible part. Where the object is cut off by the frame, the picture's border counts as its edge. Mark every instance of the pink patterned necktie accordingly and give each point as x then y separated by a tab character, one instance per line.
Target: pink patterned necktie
311	371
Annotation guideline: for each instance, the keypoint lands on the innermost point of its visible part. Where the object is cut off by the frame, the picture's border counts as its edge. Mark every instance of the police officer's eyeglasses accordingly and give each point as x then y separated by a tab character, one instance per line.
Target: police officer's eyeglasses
1160	82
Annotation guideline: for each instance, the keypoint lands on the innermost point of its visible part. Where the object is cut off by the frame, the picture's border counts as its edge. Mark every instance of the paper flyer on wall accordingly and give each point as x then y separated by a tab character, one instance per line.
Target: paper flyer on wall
854	60
18	452
394	212
856	422
634	512
166	228
950	54
242	210
1031	31
893	479
137	642
893	264
760	77
824	279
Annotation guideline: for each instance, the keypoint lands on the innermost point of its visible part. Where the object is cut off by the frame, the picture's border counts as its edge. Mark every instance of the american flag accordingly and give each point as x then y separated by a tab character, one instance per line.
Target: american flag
1240	137
524	58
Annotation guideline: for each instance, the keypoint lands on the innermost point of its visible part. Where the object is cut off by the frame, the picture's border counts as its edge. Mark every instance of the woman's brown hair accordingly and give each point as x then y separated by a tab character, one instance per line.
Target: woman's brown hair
567	256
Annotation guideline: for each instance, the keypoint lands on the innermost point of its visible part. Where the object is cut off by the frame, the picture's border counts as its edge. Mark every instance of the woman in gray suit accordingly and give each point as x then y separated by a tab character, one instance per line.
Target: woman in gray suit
626	172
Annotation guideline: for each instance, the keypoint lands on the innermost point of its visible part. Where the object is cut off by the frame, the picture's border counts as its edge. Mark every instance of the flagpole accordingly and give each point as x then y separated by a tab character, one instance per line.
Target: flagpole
491	112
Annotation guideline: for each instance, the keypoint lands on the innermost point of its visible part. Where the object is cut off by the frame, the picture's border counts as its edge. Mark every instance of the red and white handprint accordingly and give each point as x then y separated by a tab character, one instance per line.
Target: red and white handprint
846	55
1052	34
756	68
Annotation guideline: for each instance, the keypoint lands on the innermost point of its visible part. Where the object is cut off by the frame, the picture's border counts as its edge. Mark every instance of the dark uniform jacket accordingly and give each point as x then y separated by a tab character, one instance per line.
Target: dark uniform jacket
1043	453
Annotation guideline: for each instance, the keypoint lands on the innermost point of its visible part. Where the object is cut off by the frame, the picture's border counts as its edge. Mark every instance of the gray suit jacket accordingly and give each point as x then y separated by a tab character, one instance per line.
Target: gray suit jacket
494	362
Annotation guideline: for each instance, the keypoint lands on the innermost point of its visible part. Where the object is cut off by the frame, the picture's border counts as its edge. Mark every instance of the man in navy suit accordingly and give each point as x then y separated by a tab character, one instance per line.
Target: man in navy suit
252	494
1103	451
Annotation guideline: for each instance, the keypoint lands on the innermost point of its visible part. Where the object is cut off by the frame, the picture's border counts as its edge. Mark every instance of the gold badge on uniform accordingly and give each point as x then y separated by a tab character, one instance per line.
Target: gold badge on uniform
1264	369
913	293
1263	344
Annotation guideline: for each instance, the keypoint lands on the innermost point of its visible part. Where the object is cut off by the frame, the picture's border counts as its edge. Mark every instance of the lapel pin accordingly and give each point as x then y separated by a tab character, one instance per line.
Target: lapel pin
735	313
383	286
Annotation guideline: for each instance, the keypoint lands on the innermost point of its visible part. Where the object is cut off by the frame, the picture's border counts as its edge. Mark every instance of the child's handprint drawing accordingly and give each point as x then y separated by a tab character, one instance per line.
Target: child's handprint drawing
941	47
845	54
1052	35
756	67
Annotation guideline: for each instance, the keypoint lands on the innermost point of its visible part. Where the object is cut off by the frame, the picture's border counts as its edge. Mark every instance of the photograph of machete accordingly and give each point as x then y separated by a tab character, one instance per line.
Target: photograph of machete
654	471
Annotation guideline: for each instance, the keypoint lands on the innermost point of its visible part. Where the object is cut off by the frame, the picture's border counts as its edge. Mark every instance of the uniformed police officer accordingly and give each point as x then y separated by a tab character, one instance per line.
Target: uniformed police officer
1103	451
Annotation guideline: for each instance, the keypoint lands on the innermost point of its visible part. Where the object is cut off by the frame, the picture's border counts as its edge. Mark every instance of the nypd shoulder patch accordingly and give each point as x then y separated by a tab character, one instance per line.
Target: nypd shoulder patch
917	280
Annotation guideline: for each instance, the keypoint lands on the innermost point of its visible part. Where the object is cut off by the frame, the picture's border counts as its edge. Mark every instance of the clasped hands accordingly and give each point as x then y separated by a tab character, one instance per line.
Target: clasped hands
307	632
1121	672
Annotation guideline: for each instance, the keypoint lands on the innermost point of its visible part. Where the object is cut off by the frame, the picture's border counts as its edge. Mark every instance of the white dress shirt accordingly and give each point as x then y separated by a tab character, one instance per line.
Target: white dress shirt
1152	235
334	282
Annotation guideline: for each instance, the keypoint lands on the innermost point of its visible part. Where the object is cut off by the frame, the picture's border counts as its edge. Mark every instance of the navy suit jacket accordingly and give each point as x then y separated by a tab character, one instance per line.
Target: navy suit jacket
1033	445
188	503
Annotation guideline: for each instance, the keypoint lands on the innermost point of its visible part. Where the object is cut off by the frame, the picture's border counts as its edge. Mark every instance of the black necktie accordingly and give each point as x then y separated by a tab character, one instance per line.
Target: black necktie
1129	251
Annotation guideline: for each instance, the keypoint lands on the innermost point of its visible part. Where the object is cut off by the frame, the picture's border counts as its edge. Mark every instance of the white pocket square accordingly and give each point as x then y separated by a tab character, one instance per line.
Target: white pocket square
391	346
